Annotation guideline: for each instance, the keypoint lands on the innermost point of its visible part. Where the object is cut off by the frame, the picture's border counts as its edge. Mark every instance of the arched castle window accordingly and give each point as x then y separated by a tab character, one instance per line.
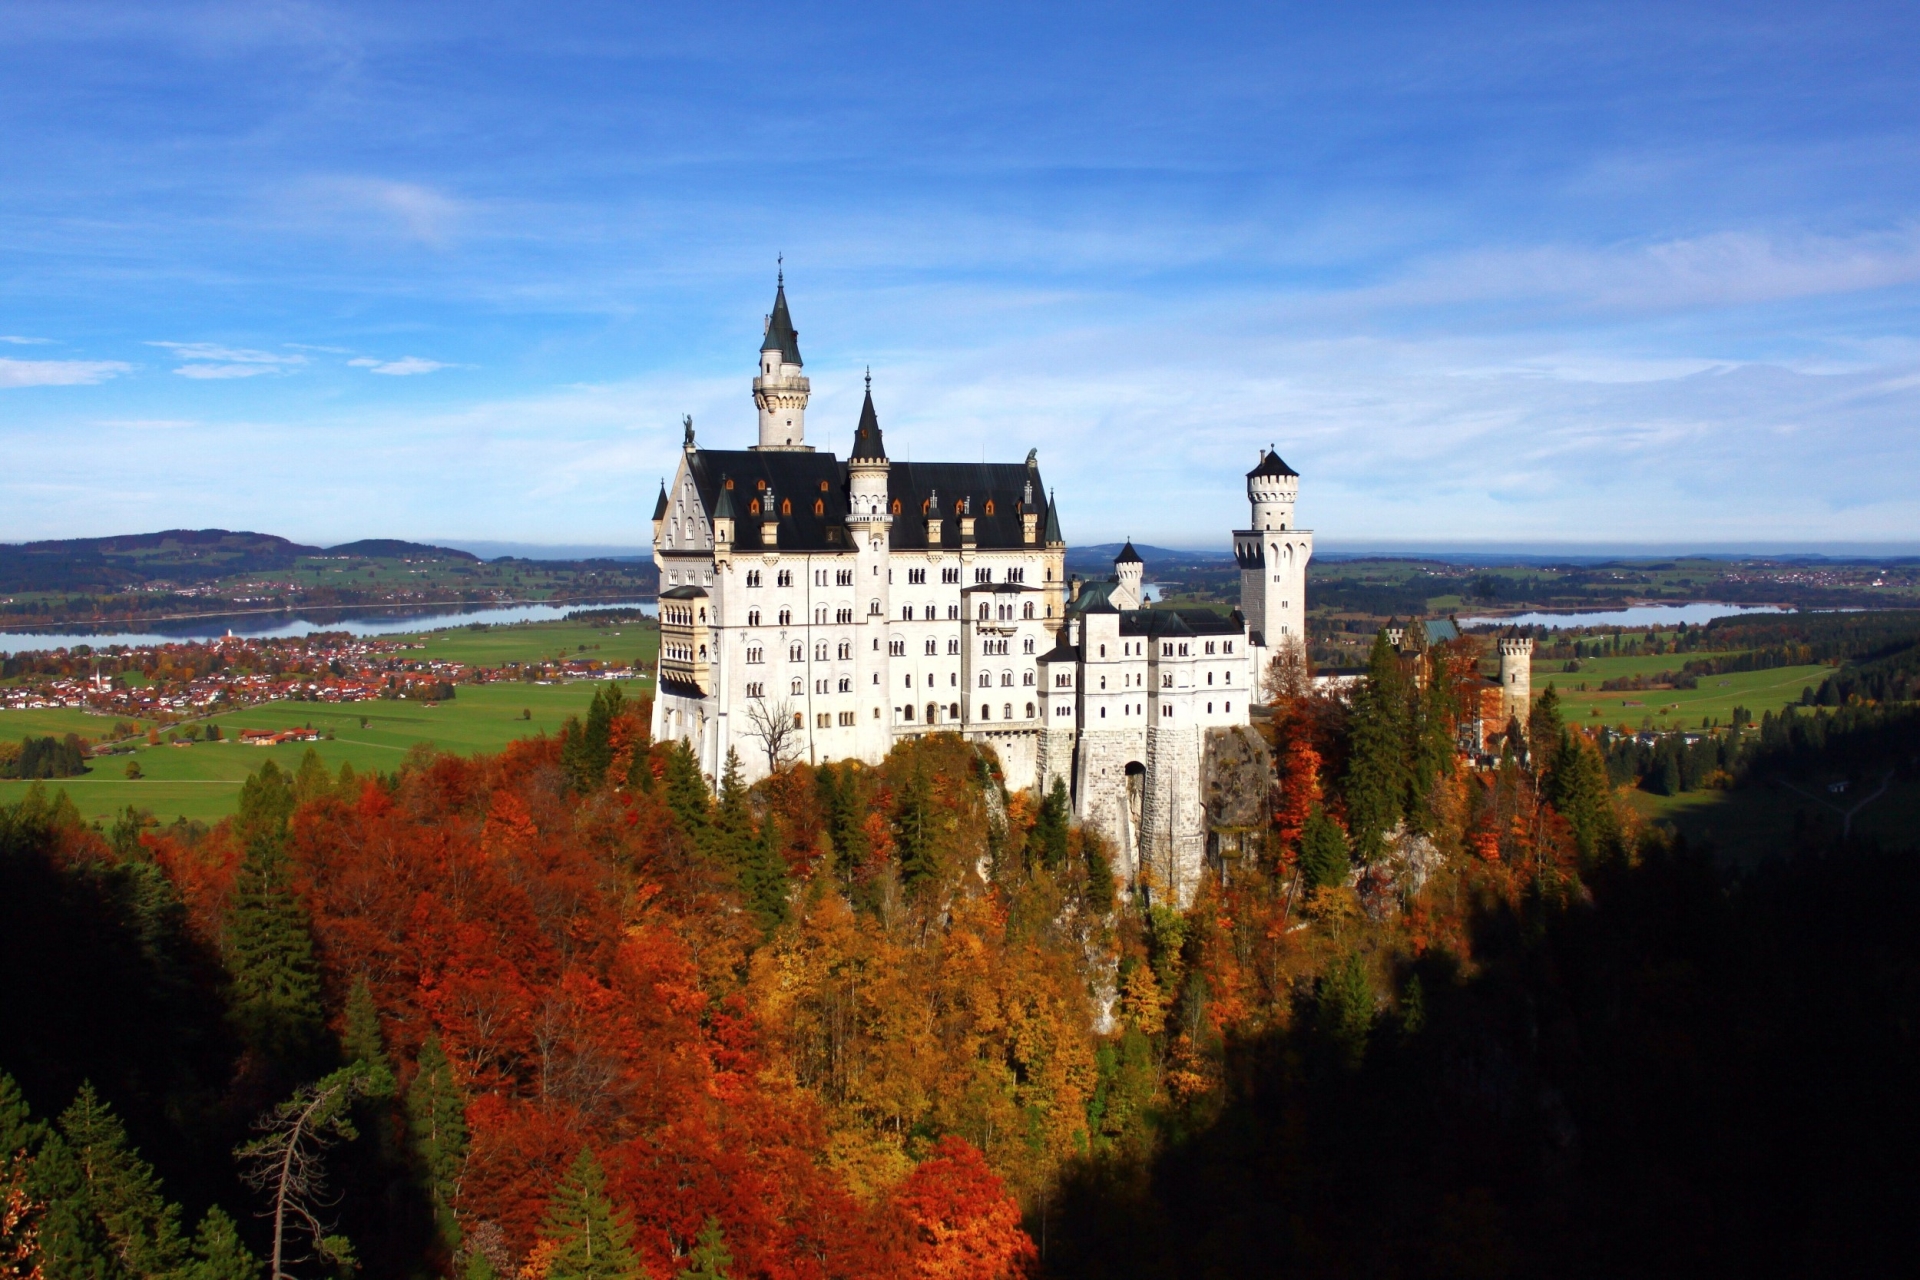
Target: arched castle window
753	508
819	507
786	506
896	506
989	506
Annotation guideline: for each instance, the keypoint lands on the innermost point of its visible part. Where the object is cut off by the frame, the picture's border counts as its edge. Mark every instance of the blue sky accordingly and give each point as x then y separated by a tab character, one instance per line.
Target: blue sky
1531	273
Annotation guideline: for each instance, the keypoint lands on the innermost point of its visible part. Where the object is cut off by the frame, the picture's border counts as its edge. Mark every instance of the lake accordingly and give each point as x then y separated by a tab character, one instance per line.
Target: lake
273	626
1639	615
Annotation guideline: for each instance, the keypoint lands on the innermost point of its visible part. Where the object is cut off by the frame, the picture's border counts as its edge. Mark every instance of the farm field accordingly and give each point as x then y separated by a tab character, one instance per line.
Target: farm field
58	722
1717	696
634	642
202	782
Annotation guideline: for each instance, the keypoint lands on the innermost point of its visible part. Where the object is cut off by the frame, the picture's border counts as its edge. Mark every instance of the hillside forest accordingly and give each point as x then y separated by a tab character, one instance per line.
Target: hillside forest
573	1010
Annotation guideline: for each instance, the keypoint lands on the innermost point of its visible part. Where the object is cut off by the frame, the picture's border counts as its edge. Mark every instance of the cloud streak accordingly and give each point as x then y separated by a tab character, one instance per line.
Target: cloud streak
406	366
58	373
208	361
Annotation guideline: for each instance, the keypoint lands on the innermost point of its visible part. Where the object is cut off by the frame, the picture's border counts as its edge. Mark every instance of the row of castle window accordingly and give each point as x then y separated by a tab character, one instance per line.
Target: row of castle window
952	710
681	652
680	614
915	577
827	719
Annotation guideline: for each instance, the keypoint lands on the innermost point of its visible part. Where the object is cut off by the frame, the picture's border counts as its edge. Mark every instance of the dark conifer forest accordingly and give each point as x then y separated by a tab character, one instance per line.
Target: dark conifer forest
573	1011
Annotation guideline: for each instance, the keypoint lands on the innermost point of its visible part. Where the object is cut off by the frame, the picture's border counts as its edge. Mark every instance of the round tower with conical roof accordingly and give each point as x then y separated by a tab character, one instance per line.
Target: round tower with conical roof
781	390
1129	569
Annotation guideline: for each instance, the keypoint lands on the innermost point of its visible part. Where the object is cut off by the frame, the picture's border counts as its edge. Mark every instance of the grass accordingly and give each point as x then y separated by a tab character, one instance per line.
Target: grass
58	722
1716	697
633	642
1752	823
203	781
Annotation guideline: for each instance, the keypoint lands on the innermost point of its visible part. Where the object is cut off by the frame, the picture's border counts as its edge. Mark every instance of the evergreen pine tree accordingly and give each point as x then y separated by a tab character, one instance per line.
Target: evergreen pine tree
1377	768
1433	743
437	1131
589	1240
762	876
312	780
597	740
275	997
732	827
218	1251
1047	838
1545	724
348	787
1581	793
19	1131
363	1041
1324	861
119	1191
912	837
687	796
709	1258
837	790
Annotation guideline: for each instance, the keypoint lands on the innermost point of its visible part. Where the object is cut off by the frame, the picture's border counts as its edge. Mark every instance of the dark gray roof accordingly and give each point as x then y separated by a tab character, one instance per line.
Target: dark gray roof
804	479
866	437
1061	652
684	593
1180	622
1271	465
724	508
911	485
660	507
1051	534
1128	555
781	335
680	688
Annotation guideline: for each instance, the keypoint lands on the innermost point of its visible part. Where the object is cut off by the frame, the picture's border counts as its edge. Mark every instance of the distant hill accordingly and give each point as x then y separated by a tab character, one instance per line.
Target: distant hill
180	556
1097	560
394	549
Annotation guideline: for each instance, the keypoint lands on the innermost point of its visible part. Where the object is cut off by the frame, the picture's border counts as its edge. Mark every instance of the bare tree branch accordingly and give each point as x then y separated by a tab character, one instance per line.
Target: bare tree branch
287	1161
776	727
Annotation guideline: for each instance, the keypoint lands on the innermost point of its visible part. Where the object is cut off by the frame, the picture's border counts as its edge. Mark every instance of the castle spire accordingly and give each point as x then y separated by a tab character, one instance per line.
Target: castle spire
781	390
867	444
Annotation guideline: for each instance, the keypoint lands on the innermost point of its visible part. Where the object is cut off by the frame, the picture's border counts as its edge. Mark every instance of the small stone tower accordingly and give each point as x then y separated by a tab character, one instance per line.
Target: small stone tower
1273	556
1516	675
780	391
1128	568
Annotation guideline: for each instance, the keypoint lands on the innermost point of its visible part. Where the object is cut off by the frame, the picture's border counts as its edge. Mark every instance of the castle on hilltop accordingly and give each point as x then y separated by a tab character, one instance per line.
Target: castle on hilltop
819	610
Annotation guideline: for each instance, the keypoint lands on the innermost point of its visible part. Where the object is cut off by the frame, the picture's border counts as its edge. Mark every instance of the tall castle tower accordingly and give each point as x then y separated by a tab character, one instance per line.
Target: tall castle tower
1516	675
1273	557
780	391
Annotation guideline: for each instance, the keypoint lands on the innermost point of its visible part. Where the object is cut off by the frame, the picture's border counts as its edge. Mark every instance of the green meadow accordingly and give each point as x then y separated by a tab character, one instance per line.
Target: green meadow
1754	822
629	642
1717	696
203	781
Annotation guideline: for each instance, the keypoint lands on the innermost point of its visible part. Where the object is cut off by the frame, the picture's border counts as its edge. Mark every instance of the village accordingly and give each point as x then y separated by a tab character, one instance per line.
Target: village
166	684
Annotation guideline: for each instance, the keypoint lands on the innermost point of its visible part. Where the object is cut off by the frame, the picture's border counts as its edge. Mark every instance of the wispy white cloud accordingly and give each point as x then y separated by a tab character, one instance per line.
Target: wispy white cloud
148	424
18	341
212	361
357	203
58	373
1720	269
406	366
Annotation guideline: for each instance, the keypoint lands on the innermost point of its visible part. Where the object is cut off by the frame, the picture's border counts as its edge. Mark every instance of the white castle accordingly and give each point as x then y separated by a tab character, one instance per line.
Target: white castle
819	610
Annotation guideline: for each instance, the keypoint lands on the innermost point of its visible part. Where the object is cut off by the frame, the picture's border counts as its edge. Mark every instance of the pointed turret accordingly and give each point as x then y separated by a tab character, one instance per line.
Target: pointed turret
868	469
781	390
1053	537
781	335
867	444
660	504
1128	569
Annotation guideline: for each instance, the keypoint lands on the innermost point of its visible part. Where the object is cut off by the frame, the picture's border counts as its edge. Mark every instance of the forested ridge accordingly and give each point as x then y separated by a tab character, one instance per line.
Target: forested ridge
563	1012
